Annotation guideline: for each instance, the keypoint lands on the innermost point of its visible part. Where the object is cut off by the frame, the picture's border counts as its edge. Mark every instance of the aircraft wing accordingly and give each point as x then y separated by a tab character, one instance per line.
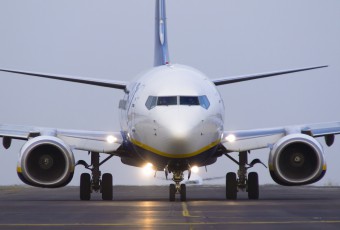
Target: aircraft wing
235	79
96	141
245	140
88	81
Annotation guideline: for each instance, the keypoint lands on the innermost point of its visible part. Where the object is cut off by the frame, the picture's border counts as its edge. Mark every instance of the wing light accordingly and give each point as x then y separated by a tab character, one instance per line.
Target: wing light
111	139
230	138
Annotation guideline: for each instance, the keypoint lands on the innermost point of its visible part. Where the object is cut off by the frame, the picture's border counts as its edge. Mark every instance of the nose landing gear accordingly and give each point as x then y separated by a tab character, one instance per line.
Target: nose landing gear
177	188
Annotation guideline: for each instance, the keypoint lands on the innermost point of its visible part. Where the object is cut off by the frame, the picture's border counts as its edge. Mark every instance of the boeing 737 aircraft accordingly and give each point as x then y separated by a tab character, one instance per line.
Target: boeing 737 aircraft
172	119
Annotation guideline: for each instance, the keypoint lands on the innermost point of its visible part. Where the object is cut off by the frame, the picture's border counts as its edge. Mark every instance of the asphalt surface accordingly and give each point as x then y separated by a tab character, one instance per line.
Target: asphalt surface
148	207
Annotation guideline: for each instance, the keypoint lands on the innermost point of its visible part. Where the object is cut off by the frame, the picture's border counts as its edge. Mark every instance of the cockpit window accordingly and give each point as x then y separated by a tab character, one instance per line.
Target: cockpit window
153	101
167	101
188	100
204	101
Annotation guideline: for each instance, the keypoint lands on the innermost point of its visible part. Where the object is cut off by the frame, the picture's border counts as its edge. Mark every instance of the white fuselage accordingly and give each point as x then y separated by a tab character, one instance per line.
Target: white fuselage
186	126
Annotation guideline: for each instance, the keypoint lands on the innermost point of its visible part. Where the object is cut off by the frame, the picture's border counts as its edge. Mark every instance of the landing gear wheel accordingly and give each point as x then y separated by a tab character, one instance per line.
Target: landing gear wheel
85	186
172	192
231	186
183	192
253	186
106	186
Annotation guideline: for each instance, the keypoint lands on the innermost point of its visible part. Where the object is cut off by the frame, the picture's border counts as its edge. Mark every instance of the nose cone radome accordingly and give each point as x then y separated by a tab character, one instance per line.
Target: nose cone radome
180	130
180	133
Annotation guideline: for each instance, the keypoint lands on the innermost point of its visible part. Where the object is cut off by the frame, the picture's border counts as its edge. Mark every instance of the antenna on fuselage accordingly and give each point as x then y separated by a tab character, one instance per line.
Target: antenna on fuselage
161	38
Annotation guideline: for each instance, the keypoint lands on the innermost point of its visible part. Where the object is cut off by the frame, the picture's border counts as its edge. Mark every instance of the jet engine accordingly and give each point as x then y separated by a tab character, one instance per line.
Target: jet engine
46	161
297	159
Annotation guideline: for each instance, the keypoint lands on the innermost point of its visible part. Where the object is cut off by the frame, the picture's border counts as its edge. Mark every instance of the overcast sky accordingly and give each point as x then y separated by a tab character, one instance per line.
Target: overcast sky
114	40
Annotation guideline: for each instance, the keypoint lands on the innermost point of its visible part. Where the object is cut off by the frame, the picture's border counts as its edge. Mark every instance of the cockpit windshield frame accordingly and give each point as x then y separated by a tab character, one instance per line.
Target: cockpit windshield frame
154	101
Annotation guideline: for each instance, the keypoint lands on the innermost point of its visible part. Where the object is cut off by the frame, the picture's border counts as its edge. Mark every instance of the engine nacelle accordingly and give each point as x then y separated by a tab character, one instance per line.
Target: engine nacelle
297	159
47	162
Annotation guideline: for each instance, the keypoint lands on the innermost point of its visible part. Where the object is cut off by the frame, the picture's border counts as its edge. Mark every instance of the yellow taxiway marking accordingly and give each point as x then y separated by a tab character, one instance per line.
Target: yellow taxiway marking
185	211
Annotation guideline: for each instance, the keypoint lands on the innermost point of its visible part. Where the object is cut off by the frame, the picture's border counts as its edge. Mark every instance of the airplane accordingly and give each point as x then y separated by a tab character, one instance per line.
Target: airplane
172	119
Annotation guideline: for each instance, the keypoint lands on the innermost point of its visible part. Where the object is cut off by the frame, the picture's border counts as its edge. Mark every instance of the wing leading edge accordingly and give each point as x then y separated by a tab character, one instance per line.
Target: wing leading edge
89	81
235	79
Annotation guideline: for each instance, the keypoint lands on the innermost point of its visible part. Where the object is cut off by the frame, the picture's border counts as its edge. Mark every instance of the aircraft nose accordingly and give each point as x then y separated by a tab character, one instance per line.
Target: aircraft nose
179	132
180	129
180	125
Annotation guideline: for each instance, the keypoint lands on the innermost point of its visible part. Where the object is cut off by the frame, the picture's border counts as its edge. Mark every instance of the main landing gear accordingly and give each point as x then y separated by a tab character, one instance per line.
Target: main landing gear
94	182
246	183
179	188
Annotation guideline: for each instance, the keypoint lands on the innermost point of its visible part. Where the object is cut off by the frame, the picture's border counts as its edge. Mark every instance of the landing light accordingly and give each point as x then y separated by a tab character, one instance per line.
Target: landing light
148	169
231	138
194	169
111	139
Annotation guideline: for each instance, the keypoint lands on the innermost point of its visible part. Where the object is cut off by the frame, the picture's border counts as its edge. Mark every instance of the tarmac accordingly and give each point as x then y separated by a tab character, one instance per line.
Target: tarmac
136	207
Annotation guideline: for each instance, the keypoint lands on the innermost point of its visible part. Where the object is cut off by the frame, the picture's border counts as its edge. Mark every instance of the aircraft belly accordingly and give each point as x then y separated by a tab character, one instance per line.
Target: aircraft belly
177	141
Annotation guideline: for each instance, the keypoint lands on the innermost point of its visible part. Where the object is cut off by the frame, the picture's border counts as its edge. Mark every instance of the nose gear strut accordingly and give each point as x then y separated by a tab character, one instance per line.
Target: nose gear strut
177	168
177	188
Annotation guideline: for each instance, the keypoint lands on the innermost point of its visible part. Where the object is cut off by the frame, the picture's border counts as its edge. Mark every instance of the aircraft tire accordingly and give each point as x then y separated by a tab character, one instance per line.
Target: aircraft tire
85	186
183	192
231	186
253	186
106	186
172	192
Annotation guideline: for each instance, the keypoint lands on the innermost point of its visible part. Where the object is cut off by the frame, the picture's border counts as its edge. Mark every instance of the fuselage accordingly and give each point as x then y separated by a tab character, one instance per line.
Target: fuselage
170	113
